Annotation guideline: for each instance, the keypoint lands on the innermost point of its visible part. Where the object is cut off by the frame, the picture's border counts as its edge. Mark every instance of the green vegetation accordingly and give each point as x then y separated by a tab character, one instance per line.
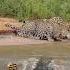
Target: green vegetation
35	8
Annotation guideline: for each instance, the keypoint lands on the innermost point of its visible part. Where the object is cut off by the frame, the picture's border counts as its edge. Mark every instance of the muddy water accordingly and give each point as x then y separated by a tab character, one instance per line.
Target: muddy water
28	56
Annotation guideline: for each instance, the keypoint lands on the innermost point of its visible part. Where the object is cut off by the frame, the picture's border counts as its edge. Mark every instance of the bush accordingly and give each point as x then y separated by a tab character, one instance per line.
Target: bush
22	9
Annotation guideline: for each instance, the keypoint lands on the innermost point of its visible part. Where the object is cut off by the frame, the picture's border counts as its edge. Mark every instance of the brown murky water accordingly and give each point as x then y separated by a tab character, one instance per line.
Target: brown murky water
59	51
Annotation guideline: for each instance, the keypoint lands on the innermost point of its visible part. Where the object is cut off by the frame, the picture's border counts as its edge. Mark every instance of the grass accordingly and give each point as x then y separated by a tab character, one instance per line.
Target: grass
49	49
33	9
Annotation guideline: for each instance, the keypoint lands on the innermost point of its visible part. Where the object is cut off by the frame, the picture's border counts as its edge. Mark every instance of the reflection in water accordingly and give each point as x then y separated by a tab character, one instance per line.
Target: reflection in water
47	65
40	64
30	64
